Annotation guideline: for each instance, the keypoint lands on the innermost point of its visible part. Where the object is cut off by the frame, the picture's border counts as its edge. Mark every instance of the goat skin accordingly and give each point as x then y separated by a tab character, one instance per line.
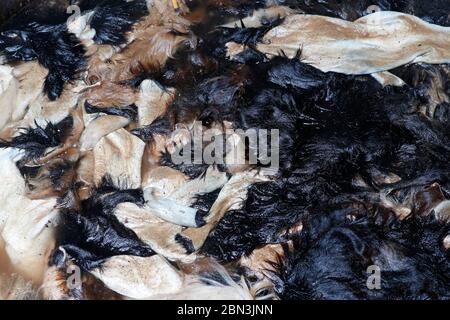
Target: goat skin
378	42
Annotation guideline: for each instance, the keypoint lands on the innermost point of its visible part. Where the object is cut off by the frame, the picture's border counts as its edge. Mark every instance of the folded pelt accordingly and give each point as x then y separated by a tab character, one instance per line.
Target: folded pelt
231	150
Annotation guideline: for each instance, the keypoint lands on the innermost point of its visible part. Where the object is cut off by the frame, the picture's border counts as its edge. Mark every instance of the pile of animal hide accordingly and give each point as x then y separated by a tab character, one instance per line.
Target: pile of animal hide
97	101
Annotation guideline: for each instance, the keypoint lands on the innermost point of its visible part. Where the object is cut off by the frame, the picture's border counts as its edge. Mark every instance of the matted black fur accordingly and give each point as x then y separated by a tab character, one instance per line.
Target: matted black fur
35	141
352	153
333	256
190	169
203	203
52	45
92	233
160	126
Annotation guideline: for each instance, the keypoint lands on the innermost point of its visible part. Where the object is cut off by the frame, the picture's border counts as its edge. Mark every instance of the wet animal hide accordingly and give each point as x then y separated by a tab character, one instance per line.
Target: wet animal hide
119	155
31	77
112	20
343	250
27	227
8	92
380	41
334	116
14	287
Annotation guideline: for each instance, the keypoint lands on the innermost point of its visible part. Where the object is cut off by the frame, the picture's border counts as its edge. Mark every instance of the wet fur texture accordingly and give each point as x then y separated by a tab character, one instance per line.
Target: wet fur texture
409	253
56	49
362	167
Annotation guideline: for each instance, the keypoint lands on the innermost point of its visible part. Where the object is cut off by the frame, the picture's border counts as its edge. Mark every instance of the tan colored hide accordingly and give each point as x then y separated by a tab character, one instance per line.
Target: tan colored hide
99	128
119	155
14	287
154	278
41	110
377	42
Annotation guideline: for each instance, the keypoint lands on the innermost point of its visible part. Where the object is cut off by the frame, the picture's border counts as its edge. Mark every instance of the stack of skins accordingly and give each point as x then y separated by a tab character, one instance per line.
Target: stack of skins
98	97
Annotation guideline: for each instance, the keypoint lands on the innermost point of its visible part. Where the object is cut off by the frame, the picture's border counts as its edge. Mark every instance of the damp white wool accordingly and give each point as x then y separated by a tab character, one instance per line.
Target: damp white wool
378	42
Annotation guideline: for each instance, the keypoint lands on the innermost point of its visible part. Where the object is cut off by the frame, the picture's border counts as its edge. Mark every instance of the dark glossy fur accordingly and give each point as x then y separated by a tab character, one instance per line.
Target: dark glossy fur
333	129
35	141
114	18
333	254
56	49
90	233
342	140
